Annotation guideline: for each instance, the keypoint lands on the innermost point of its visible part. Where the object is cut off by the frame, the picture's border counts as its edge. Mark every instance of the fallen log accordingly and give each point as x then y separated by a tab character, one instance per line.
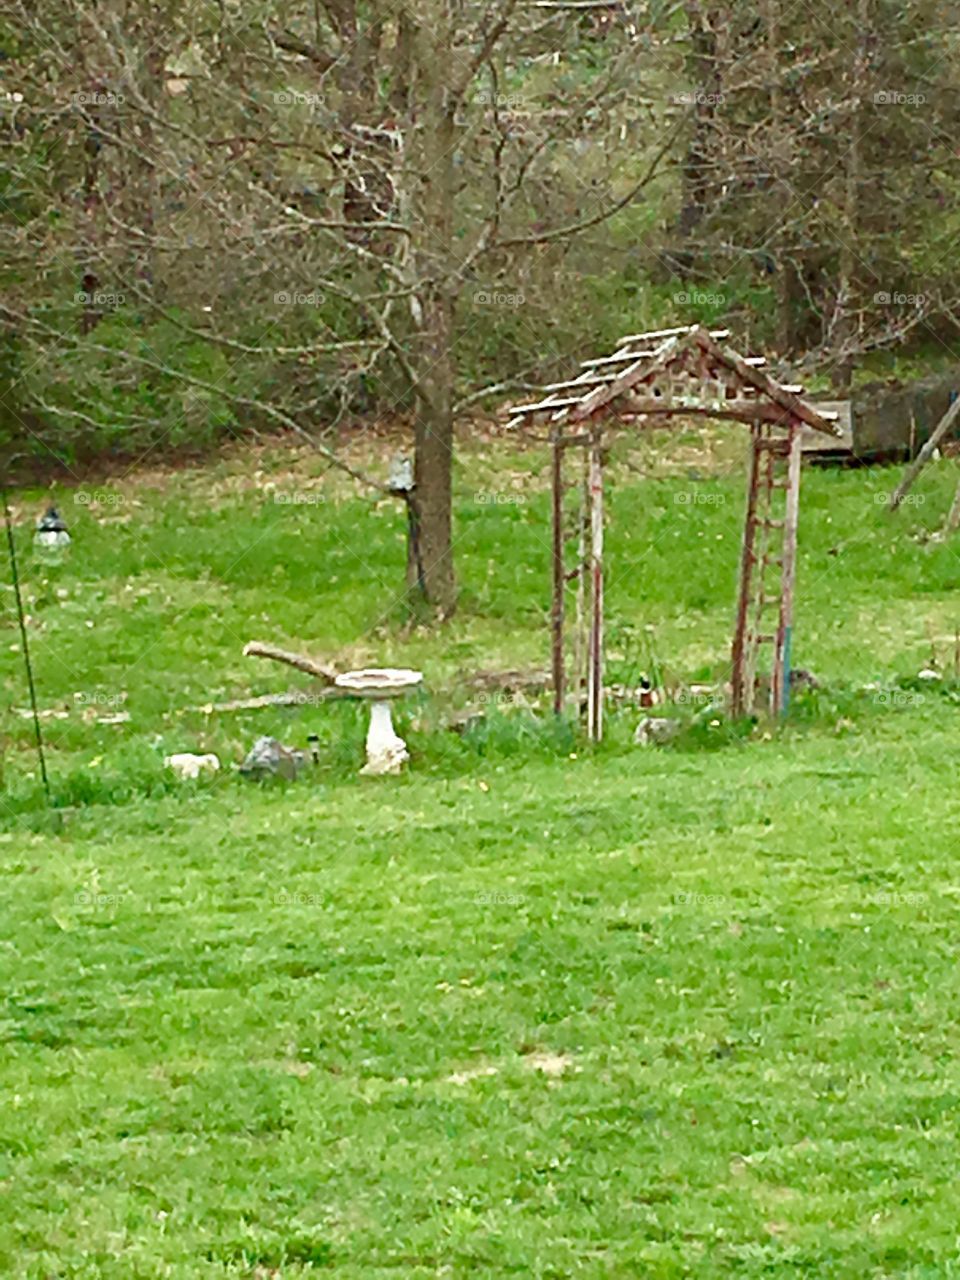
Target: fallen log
505	681
296	698
256	649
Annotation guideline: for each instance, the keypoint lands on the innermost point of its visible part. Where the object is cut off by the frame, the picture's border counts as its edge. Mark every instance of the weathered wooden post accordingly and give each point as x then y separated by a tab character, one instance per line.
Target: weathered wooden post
556	608
581	639
780	675
595	660
741	699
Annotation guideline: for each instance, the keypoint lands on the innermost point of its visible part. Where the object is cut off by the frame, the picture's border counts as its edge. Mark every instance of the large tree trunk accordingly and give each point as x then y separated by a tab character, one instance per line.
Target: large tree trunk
433	473
706	79
433	458
842	373
787	279
431	189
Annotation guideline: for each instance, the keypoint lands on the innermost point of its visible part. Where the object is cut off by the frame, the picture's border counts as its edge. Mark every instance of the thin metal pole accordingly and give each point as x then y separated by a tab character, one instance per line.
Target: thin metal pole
26	647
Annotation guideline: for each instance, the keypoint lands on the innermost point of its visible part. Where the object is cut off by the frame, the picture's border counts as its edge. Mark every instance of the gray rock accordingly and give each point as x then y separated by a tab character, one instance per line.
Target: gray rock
270	758
654	731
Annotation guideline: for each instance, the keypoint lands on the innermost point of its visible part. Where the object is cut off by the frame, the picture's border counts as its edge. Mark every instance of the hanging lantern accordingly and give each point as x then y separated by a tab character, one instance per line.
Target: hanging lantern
52	536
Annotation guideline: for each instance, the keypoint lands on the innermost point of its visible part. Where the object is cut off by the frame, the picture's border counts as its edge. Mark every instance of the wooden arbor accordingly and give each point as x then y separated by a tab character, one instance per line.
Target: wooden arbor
663	375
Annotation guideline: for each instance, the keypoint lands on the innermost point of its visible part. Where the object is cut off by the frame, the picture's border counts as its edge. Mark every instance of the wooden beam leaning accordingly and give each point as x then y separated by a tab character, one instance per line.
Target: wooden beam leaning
953	517
925	454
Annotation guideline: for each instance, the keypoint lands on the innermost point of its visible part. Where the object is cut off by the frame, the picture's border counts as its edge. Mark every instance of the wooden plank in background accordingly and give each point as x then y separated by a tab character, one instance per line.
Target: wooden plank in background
816	442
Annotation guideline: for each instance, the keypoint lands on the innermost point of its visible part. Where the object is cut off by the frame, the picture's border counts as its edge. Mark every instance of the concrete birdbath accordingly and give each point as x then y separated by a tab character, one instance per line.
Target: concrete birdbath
386	750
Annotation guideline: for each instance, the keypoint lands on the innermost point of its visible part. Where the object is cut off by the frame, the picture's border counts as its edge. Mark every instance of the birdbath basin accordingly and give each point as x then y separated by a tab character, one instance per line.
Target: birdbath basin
386	750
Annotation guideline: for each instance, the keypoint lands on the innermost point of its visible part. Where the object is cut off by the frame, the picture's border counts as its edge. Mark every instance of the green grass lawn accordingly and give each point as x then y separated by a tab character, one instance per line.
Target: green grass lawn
533	1009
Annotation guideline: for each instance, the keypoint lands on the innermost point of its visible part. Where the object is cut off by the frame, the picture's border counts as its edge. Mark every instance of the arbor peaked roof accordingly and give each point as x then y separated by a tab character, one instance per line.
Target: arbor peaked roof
677	373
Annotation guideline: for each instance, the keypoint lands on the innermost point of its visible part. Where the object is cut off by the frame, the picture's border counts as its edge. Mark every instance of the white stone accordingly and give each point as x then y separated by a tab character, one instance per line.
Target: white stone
186	765
655	730
52	539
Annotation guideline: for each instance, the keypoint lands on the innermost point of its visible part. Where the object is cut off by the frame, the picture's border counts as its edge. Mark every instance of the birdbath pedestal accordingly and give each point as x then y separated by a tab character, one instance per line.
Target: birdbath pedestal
386	750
